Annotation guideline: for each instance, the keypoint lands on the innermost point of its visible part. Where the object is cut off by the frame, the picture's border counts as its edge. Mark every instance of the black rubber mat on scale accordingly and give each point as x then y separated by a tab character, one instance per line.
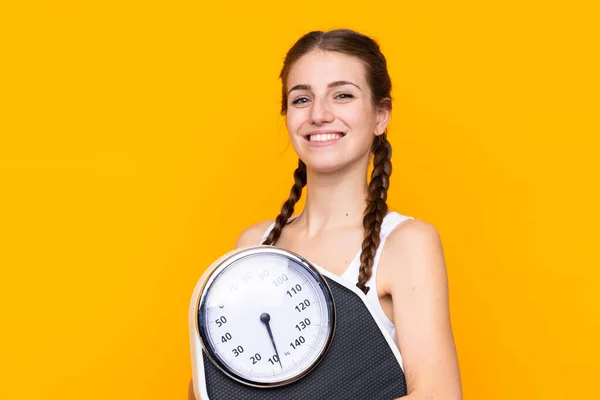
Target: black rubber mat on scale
358	365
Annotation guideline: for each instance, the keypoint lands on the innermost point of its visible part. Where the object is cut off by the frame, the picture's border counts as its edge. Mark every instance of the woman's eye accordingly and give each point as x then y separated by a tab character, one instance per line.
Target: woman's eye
345	96
300	100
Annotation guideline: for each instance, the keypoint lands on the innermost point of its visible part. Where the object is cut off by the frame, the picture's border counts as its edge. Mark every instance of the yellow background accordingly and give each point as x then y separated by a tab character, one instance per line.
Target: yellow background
138	140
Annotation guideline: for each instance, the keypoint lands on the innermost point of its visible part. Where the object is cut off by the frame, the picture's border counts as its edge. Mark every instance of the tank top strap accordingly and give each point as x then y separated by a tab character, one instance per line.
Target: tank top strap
270	228
391	221
264	236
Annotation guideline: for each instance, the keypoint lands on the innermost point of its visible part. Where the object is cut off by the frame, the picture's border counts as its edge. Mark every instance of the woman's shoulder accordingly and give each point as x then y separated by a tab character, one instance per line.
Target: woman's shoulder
413	248
252	235
413	230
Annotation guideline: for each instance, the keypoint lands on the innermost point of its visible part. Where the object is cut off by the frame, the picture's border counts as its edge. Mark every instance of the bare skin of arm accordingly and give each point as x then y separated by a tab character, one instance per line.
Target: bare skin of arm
414	275
191	395
249	237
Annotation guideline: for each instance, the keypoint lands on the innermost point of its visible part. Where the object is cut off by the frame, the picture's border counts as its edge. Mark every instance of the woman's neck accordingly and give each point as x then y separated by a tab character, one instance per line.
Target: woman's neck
333	201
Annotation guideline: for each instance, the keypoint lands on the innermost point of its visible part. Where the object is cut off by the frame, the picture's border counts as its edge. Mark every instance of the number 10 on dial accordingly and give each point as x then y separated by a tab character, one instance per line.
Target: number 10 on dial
266	316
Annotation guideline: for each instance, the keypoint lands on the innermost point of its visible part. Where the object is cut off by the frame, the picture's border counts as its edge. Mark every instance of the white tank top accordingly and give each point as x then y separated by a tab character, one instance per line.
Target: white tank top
390	221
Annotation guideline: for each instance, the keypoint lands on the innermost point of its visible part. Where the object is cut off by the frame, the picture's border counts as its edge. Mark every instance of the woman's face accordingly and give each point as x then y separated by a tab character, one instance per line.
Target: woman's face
330	116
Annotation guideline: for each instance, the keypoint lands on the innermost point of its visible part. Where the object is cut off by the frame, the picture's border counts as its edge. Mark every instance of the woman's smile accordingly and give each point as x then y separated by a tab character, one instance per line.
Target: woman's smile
320	139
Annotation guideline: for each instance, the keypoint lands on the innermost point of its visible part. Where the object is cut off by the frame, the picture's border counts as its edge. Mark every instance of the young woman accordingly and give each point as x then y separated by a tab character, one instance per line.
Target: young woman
337	104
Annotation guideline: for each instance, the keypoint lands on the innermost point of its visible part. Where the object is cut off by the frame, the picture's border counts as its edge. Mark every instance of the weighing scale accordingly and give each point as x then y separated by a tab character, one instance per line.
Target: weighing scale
265	323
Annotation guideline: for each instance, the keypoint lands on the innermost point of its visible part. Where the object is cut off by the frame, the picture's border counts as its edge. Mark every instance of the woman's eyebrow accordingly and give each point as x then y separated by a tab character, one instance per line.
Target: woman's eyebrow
332	84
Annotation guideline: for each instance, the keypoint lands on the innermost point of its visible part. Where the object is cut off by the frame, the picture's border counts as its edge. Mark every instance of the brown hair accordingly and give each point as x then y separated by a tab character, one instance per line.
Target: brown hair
366	49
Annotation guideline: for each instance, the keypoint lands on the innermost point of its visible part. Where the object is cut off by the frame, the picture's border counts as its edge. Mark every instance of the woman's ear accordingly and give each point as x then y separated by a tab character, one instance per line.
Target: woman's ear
384	112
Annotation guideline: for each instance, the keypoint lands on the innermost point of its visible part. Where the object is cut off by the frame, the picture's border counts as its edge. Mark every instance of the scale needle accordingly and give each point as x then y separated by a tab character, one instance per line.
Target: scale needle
265	318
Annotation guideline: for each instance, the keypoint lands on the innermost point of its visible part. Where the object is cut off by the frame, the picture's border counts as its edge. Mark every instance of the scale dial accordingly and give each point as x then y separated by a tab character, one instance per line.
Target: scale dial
266	316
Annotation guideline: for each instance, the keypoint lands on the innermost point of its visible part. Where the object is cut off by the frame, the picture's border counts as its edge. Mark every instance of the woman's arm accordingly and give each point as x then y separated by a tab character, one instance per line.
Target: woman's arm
249	237
191	395
417	281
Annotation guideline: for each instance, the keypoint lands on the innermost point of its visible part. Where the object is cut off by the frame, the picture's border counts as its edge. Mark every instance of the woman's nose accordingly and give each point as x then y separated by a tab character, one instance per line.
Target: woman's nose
321	112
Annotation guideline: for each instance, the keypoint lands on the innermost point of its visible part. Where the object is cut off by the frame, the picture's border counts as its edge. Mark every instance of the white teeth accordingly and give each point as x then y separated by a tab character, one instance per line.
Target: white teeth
323	137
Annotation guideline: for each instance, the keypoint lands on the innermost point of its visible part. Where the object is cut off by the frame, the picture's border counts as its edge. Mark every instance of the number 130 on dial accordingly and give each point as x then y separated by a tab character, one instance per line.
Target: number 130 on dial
266	316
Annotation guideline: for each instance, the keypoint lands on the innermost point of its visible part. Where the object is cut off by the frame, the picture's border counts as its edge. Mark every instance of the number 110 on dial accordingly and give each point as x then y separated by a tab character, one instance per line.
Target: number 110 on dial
265	316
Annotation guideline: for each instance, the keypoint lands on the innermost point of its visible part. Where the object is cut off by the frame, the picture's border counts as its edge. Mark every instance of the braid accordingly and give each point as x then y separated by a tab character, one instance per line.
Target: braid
376	207
288	207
